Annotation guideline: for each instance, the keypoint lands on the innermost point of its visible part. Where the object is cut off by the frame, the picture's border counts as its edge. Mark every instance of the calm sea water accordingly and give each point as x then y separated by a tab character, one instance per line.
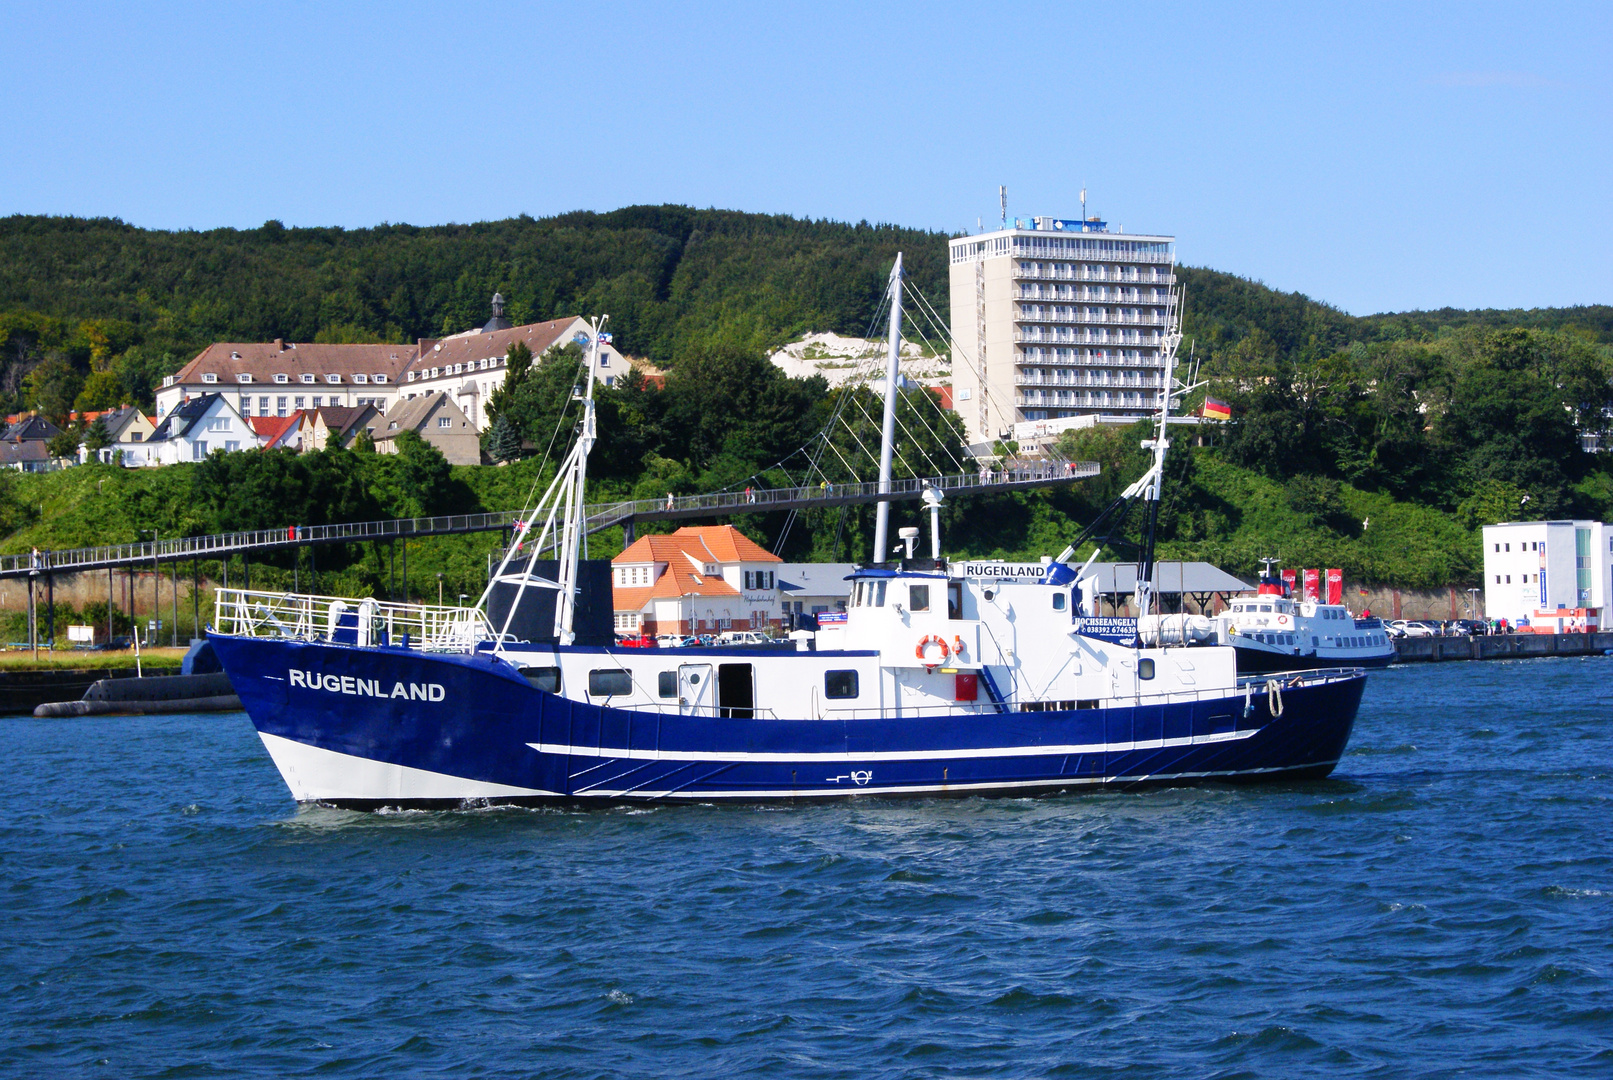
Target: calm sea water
1443	906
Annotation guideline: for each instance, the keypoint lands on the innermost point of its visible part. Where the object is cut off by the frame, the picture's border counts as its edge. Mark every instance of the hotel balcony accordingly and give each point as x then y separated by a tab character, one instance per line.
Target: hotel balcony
1068	273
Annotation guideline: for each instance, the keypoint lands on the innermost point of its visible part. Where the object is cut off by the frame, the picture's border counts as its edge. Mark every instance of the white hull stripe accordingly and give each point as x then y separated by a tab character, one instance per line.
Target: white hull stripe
624	753
313	773
936	789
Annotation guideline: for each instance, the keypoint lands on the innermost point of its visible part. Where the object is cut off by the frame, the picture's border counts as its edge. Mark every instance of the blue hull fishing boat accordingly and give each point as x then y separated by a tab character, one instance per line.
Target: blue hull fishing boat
941	678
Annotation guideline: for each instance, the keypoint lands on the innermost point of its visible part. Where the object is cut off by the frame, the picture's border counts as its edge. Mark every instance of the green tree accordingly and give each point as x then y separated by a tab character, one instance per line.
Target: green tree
101	390
97	437
52	386
503	442
64	444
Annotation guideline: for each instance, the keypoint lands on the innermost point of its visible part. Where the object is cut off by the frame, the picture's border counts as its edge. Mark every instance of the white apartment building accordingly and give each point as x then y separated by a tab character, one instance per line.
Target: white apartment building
1058	318
1555	575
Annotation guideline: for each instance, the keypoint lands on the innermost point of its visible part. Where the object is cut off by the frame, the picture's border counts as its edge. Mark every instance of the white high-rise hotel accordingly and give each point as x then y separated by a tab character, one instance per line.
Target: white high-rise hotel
1057	318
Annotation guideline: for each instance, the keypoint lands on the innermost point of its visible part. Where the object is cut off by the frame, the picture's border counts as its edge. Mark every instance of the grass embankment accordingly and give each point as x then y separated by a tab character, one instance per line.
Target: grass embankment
166	661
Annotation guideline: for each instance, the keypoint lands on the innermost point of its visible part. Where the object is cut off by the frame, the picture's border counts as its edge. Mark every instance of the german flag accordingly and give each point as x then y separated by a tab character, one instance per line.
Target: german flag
1216	410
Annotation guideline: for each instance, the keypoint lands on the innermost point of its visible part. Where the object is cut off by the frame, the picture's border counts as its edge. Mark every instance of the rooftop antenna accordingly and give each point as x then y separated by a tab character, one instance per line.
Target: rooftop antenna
1083	203
1002	202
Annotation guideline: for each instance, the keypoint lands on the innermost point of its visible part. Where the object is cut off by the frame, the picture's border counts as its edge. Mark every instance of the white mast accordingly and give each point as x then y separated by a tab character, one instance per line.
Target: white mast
560	511
566	602
882	513
1148	485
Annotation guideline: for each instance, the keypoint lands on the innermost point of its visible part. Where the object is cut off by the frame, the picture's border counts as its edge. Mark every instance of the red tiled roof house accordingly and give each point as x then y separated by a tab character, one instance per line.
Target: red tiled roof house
697	580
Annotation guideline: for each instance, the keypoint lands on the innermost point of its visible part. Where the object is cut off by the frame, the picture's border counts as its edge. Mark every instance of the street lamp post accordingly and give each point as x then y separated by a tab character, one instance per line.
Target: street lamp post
439	588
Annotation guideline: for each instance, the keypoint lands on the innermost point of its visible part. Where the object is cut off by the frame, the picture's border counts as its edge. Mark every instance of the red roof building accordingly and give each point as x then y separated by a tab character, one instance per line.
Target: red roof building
700	579
277	431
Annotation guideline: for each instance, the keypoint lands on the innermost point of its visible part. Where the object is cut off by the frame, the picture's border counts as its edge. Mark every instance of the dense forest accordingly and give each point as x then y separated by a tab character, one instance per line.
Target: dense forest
1378	443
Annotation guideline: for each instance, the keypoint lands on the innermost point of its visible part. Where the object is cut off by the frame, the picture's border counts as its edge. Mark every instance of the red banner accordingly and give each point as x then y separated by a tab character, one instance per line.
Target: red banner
1289	581
1335	586
1313	584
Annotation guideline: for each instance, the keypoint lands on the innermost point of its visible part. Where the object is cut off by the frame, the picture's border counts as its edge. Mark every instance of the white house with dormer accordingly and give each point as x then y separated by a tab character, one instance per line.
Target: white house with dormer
195	428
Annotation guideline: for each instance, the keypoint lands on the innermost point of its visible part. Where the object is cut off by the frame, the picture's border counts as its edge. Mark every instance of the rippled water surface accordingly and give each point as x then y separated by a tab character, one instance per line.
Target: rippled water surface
1443	906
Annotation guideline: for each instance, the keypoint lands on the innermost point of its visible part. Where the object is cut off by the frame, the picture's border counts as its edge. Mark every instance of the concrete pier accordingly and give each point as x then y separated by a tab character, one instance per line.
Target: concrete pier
1501	646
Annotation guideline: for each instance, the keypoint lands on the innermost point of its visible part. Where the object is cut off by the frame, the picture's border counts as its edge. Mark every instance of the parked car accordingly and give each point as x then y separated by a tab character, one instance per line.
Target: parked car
637	642
743	637
1410	628
1470	626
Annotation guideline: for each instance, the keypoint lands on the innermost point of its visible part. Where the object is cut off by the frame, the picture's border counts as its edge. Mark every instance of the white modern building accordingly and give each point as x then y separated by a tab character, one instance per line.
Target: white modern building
1549	575
1057	318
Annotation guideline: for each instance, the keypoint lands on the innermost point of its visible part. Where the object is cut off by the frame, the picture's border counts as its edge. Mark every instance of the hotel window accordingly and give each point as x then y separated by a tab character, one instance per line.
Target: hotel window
246	405
263	406
209	378
333	378
444	421
361	378
243	378
379	379
1509	579
307	377
282	378
280	406
318	401
301	404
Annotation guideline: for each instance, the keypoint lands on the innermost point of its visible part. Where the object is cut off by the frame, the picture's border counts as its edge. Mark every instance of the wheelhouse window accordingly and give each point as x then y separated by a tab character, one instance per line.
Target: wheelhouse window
918	597
546	679
840	684
666	684
609	682
1145	668
954	599
1059	601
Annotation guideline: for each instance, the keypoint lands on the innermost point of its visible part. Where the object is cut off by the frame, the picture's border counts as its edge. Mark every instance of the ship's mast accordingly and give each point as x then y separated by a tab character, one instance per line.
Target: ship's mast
560	512
882	513
571	541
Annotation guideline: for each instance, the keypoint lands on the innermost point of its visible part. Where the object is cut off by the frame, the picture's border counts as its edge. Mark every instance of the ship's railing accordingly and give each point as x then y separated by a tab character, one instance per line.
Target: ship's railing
367	622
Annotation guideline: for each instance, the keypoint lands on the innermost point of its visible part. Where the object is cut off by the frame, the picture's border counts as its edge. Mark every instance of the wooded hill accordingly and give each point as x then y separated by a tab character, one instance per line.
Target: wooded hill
1453	416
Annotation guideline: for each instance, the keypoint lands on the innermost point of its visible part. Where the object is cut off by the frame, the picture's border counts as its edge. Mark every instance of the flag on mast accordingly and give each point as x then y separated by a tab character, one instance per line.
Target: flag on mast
1216	410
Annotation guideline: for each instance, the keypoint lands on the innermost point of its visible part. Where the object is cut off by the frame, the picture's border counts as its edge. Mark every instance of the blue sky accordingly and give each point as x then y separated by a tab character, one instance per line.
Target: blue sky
1378	157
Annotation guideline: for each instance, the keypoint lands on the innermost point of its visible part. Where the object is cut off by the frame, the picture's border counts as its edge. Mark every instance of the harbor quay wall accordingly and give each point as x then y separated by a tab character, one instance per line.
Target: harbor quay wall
1501	646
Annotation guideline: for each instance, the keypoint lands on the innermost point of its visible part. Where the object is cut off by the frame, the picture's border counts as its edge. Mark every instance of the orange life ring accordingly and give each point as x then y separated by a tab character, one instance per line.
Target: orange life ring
928	640
1282	620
